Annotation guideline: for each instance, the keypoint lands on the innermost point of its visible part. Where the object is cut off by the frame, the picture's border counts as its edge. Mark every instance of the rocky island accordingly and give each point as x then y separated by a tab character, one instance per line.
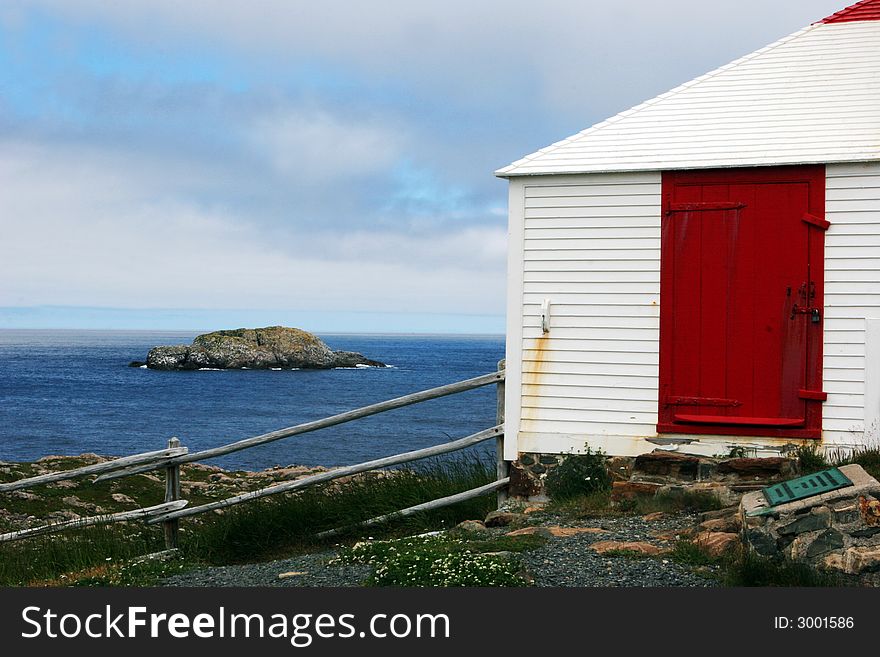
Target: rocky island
272	347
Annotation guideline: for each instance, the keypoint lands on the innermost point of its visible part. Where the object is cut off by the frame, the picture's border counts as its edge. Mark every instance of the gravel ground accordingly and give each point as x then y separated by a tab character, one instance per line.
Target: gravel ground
566	562
314	567
569	562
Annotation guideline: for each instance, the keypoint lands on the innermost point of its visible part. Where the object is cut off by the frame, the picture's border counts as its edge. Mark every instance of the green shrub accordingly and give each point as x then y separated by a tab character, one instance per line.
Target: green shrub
578	475
810	459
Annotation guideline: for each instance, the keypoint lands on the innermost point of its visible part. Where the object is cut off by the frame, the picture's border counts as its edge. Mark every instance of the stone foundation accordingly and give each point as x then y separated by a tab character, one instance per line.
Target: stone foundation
837	531
658	472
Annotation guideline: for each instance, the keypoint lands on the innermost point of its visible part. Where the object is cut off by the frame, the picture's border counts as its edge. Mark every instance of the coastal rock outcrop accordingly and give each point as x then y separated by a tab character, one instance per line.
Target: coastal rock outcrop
261	348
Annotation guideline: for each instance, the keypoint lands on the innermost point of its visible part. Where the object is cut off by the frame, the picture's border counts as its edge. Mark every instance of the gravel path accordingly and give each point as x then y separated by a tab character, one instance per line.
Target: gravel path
313	568
570	562
566	562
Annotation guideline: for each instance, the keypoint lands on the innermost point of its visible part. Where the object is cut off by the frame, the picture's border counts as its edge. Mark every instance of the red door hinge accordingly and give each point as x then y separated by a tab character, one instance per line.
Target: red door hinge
818	222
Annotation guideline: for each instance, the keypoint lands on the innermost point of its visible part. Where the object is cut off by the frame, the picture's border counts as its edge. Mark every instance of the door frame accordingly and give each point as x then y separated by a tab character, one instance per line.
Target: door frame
812	395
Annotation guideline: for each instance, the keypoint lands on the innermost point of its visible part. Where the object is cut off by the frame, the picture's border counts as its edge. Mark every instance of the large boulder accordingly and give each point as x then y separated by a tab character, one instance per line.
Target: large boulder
262	348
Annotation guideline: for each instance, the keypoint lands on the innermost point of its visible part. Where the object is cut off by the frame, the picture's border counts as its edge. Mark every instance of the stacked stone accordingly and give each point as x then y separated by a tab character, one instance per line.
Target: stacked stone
836	531
661	471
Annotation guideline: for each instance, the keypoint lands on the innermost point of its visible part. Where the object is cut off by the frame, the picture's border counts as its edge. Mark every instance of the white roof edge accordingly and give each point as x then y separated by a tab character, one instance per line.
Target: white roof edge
510	170
684	167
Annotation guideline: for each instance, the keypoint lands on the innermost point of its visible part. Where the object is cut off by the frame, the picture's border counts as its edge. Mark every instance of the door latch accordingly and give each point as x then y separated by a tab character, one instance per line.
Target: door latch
814	313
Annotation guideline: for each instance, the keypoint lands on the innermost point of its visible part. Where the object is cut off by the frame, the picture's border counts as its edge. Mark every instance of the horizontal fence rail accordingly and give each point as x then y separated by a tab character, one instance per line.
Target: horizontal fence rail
137	514
348	416
337	473
425	506
157	459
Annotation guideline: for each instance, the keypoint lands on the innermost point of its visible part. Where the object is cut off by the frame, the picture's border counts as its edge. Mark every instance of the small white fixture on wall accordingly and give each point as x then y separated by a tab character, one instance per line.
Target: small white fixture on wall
545	315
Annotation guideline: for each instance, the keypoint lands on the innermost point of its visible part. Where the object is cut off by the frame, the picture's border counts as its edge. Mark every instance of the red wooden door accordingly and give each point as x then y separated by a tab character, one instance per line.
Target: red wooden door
741	301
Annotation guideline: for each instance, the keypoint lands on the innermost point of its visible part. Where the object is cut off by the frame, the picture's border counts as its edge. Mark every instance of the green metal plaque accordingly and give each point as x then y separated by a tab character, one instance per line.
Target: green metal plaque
806	486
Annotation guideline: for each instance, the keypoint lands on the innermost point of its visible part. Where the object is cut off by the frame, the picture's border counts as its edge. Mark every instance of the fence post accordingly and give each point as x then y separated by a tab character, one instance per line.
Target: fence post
502	468
172	494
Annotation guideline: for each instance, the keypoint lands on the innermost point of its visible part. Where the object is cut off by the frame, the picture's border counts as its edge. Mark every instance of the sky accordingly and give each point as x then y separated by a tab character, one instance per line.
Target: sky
212	164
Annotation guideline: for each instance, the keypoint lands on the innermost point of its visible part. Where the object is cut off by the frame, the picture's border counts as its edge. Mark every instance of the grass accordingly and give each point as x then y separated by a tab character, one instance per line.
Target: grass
625	554
867	457
597	505
52	559
743	568
810	459
691	554
585	506
274	526
748	569
260	530
681	500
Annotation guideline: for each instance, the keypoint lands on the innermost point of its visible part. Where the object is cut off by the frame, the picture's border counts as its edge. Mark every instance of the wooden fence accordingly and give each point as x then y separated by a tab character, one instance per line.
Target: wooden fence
170	459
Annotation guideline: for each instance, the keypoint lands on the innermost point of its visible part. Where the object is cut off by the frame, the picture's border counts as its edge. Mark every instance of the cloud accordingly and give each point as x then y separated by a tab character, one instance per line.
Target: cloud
566	50
85	235
291	154
313	146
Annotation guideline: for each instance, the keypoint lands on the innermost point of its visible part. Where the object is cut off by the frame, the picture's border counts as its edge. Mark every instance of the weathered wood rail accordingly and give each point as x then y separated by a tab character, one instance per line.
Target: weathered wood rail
170	459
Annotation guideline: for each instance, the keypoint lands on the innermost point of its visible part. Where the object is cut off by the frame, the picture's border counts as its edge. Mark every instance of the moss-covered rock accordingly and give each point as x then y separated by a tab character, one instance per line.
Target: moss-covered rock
261	348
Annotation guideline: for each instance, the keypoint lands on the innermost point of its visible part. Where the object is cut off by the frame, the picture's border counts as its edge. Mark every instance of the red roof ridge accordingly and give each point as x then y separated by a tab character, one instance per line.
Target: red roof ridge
866	10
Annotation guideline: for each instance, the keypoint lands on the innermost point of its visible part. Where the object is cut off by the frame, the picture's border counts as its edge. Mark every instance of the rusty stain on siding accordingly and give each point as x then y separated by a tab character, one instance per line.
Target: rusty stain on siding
533	375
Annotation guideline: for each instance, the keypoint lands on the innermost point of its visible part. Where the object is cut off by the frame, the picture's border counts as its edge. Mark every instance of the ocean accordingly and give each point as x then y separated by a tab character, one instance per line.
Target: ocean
69	392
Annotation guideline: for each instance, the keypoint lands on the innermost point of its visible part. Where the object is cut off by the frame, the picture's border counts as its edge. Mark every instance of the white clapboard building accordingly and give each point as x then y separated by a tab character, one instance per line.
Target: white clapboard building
703	270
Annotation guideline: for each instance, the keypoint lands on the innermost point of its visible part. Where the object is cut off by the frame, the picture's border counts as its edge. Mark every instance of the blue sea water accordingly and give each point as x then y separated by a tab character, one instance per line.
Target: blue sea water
69	392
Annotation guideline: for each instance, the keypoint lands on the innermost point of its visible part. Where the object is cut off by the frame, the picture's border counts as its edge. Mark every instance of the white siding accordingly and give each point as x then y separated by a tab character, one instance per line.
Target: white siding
590	244
808	98
852	299
595	376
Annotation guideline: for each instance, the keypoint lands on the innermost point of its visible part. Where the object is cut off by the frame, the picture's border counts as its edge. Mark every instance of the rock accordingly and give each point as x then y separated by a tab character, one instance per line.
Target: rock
523	483
62	516
66	483
727	524
673	534
262	348
761	542
854	560
719	513
354	359
829	540
667	464
652	517
471	526
565	532
122	498
292	573
762	468
138	363
716	543
869	510
73	500
629	490
818	518
503	518
620	467
846	511
639	547
867	532
533	509
556	531
530	531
